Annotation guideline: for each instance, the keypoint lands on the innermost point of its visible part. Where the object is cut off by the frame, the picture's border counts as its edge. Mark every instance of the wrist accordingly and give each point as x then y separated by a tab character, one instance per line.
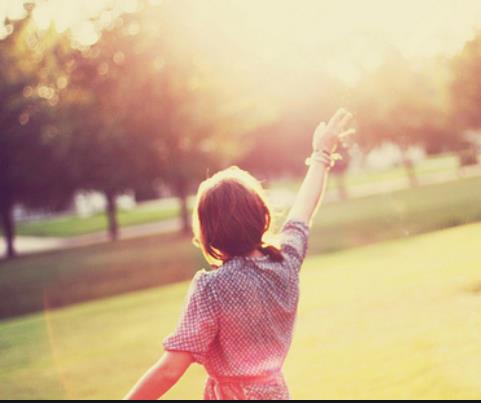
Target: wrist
321	158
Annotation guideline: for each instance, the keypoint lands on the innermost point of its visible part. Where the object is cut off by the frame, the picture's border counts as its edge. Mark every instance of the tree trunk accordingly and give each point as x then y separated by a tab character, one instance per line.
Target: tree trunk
8	225
185	215
342	187
112	215
461	170
410	170
183	196
468	157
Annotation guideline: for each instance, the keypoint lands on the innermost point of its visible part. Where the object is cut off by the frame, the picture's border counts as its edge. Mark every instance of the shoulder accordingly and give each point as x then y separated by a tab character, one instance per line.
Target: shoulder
202	280
217	278
295	234
202	292
296	227
202	277
294	241
206	281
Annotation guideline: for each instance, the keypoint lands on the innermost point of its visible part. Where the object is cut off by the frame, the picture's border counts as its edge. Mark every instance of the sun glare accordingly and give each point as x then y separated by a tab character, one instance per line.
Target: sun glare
344	36
70	14
288	39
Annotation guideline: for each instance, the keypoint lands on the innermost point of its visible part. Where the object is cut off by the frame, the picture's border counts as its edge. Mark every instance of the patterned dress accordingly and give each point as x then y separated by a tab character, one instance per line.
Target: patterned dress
239	320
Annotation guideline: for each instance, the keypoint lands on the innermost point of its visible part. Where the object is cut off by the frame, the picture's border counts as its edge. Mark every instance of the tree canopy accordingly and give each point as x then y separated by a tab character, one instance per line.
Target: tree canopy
145	105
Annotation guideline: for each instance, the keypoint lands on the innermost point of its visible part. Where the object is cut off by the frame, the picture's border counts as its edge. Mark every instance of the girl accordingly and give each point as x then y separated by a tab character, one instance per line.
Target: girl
239	318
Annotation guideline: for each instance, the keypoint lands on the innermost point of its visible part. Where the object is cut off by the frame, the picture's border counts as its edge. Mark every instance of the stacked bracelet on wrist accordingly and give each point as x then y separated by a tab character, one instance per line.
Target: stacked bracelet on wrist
323	157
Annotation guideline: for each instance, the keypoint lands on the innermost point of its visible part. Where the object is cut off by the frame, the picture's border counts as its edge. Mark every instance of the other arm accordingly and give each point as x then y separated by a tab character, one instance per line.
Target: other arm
161	377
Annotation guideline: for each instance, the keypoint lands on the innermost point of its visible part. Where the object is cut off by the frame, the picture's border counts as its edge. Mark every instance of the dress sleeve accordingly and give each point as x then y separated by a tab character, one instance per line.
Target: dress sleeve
294	242
197	328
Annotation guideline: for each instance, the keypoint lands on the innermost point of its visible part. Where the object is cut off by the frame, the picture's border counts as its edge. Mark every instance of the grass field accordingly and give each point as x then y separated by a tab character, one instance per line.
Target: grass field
394	320
72	225
445	164
30	283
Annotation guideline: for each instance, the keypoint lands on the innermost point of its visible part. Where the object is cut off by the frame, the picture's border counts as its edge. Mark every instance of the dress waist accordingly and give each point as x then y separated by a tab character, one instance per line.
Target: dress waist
262	379
265	387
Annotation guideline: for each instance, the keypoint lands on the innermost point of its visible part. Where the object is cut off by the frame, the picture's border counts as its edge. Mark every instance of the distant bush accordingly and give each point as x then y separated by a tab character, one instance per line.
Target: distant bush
468	157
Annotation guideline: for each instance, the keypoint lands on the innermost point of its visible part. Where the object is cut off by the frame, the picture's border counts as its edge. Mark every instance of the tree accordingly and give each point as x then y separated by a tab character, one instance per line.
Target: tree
30	151
339	172
466	87
272	149
106	155
186	128
138	111
175	107
406	107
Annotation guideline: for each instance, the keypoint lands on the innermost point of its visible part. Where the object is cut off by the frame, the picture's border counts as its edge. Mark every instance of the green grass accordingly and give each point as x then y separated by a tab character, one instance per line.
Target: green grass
30	283
396	215
62	278
435	165
72	225
394	320
445	164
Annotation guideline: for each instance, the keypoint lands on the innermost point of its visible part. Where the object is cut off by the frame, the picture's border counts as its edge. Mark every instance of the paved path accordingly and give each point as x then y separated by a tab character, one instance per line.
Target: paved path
28	245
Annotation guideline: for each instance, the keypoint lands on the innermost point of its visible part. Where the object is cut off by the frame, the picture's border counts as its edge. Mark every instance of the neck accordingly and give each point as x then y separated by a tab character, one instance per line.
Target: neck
255	254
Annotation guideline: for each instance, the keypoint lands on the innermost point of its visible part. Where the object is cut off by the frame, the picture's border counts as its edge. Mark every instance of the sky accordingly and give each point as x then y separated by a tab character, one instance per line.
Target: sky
343	35
340	31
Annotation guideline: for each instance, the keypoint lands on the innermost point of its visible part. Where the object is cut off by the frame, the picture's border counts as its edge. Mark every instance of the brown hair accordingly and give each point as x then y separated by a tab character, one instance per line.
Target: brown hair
232	217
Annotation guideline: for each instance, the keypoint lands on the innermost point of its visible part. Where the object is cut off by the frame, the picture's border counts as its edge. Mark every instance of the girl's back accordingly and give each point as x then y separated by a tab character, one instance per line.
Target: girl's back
239	321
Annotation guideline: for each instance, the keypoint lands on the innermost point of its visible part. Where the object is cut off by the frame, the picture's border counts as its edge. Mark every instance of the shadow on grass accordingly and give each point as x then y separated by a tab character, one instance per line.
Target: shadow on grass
475	289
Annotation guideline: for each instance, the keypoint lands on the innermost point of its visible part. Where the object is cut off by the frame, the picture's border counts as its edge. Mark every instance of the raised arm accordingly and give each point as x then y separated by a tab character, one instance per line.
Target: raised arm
325	142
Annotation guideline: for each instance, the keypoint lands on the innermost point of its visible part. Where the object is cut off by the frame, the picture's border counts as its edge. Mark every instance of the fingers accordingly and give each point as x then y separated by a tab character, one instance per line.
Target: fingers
335	132
317	135
321	128
340	121
347	134
346	120
346	137
338	117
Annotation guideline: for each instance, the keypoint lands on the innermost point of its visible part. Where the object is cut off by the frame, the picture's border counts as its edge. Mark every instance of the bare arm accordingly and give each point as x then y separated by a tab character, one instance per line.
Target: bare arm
161	377
311	193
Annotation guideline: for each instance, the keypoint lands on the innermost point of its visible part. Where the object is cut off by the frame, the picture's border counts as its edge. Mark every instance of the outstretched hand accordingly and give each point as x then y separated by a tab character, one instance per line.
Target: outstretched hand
328	136
326	140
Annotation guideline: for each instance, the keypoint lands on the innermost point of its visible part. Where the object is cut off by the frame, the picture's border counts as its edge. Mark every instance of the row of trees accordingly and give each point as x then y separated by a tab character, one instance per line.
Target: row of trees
116	116
432	108
26	137
132	110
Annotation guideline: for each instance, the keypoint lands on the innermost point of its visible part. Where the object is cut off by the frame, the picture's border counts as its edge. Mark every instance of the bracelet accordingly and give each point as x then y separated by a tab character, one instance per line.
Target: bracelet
325	158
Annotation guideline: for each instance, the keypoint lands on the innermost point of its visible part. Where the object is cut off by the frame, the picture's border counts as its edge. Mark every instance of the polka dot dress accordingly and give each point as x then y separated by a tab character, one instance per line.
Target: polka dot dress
238	321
